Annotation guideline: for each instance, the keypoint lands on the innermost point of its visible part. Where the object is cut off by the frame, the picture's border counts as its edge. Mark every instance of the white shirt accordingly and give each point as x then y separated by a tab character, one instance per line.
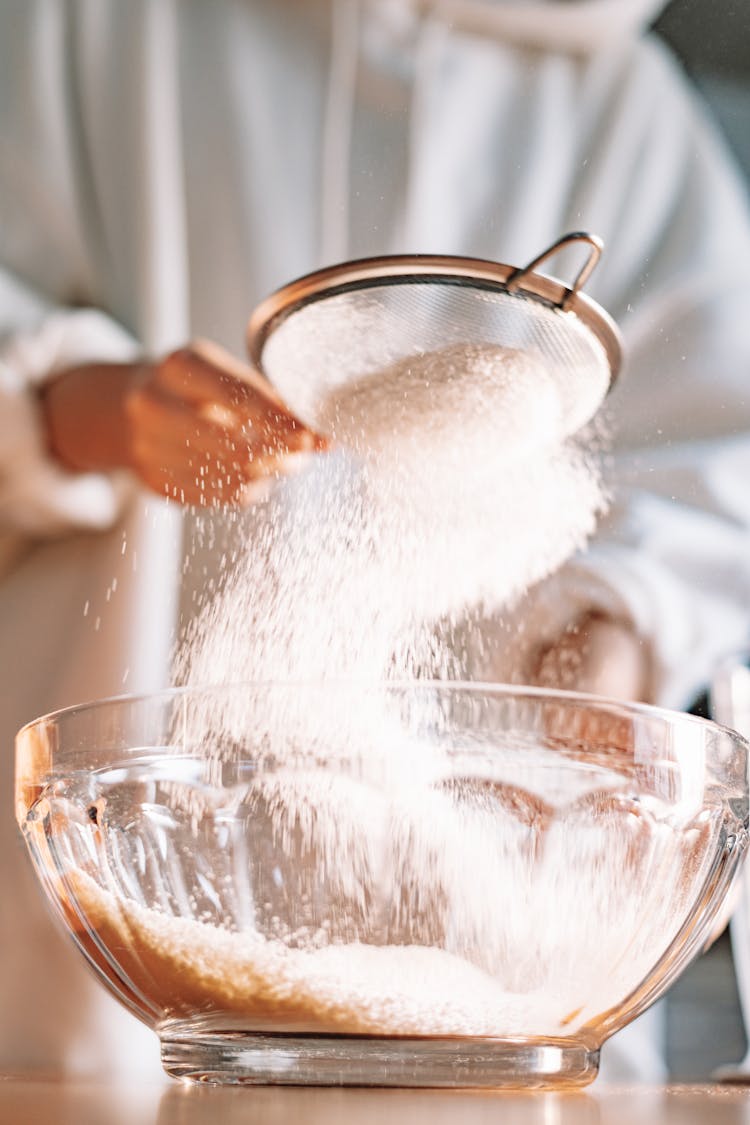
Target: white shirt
169	162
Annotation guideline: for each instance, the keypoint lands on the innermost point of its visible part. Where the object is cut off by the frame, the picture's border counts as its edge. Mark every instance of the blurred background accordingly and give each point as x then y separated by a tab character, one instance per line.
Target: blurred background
712	40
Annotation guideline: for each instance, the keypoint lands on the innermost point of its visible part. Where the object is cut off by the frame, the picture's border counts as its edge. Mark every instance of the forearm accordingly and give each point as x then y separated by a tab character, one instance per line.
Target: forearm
39	495
84	411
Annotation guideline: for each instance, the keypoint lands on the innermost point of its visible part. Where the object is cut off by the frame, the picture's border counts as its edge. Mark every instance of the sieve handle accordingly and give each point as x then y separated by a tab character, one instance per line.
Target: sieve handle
595	245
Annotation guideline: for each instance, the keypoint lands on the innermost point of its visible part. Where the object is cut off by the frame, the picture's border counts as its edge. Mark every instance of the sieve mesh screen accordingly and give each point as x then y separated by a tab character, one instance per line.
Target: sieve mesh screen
338	337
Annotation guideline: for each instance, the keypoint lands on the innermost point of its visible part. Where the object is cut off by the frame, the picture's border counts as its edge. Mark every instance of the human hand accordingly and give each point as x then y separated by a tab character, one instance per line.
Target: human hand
196	426
595	654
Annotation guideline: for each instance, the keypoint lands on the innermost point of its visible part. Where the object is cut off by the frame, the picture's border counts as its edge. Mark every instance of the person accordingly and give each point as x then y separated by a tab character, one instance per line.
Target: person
164	165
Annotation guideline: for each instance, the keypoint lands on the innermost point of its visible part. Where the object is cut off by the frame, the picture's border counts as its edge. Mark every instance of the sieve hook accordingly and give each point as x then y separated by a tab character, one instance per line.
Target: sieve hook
595	252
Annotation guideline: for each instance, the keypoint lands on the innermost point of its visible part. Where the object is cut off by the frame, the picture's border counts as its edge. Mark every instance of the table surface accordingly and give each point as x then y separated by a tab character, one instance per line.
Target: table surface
49	1102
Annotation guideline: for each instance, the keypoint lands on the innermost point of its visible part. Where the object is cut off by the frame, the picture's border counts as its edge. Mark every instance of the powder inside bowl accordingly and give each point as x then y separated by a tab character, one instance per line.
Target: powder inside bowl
187	966
467	907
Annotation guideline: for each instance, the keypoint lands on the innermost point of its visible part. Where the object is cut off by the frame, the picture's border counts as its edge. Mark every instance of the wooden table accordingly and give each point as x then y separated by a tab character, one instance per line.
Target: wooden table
35	1102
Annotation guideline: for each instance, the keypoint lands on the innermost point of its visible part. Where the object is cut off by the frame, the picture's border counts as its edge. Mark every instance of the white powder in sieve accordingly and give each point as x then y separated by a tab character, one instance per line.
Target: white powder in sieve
406	417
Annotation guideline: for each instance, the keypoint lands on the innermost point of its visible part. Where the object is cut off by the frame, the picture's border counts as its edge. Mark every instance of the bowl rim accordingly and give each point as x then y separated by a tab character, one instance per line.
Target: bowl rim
498	688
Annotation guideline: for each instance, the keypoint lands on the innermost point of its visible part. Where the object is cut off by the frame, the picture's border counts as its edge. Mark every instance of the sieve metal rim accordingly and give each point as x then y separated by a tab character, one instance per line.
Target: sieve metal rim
524	283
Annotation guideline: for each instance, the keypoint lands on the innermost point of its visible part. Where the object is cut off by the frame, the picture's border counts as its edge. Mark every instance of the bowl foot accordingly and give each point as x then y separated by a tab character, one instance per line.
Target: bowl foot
236	1057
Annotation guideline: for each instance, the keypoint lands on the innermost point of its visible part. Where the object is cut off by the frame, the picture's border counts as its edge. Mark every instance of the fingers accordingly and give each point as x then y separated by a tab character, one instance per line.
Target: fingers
229	393
199	462
205	430
219	488
204	372
154	416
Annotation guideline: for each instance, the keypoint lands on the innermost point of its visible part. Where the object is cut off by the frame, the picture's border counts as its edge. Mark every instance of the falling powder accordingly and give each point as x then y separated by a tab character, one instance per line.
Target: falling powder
452	487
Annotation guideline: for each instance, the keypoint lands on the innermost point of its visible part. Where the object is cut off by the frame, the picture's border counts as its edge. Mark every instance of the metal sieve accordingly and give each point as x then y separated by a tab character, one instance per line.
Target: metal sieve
351	320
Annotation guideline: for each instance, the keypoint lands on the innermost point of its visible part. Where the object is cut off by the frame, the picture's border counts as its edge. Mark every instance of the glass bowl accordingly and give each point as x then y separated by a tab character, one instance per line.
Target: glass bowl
424	884
730	704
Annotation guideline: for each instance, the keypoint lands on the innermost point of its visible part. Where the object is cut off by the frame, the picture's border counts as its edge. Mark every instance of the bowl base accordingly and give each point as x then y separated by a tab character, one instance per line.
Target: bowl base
238	1058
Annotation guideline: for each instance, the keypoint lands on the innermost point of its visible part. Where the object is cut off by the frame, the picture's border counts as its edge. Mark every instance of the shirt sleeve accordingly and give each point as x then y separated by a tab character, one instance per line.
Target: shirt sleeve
38	496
